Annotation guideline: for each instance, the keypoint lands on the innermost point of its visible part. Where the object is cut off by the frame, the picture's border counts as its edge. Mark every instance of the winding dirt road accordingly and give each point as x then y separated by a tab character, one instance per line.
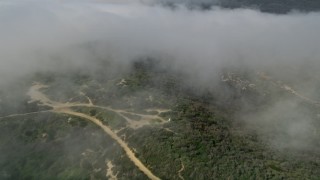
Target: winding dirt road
64	108
114	136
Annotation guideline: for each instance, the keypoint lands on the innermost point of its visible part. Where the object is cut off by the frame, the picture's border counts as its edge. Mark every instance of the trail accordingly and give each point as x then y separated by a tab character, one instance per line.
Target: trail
24	114
64	108
292	91
144	119
36	95
288	89
110	174
180	171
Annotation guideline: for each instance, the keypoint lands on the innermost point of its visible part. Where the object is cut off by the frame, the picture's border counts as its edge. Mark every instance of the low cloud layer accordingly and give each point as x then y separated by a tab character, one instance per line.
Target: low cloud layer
65	35
38	34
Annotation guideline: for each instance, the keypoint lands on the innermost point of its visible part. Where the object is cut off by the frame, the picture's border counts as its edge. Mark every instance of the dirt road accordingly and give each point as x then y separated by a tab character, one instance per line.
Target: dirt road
114	136
64	108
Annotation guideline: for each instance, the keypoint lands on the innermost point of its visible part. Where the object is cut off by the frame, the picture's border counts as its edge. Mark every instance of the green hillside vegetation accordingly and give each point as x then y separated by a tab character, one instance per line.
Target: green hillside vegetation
201	141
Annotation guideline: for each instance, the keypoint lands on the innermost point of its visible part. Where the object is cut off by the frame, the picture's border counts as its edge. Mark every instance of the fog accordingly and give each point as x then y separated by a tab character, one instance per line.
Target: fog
60	36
